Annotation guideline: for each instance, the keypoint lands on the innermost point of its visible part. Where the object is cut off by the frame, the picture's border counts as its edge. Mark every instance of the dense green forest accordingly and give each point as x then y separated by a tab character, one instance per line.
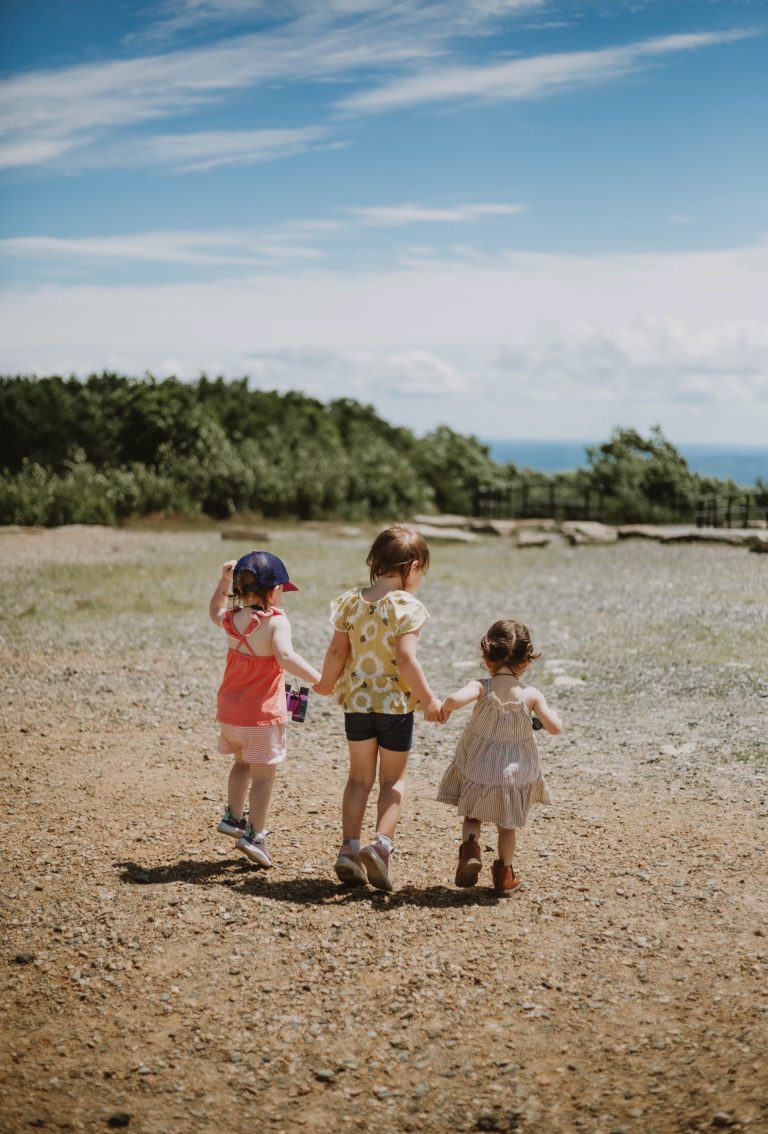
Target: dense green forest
112	448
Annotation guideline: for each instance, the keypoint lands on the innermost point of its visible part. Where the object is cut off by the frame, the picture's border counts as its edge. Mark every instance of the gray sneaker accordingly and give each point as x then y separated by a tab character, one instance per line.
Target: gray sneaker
349	867
375	859
256	849
231	825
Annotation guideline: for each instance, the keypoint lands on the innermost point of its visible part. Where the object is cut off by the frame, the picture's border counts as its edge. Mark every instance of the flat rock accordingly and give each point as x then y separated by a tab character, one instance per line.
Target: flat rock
640	531
758	541
534	539
452	535
734	537
588	531
251	535
442	520
539	523
494	527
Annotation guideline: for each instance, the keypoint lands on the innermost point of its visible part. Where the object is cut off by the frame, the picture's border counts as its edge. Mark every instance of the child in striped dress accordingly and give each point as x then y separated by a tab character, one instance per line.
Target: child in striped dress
495	775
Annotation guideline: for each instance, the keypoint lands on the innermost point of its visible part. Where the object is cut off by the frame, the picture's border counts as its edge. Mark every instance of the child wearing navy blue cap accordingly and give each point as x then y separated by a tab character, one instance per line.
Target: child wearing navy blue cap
251	702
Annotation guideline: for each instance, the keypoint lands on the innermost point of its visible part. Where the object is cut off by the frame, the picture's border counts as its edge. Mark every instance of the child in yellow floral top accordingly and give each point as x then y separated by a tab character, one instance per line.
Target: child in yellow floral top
371	666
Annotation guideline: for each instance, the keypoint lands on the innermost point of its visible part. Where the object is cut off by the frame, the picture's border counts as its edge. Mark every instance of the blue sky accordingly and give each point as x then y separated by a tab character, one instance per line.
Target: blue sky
520	217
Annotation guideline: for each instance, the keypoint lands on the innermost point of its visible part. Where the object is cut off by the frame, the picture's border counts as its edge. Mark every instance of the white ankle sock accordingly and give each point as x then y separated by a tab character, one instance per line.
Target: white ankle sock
383	841
353	844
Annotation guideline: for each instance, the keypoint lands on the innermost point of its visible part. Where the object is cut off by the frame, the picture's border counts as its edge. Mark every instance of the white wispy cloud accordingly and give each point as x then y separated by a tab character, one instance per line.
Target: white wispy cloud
244	247
47	114
211	249
438	17
203	150
527	78
394	215
92	109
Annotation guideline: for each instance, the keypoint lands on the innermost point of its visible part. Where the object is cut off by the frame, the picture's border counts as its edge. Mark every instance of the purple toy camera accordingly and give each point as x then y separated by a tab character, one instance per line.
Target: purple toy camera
297	702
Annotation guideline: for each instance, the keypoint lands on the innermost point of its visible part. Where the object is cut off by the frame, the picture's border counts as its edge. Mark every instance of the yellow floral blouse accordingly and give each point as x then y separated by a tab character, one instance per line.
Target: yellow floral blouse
370	682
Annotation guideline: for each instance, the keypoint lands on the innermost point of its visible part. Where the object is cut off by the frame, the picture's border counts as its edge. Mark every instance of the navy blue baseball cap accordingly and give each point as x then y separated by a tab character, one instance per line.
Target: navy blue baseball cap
267	570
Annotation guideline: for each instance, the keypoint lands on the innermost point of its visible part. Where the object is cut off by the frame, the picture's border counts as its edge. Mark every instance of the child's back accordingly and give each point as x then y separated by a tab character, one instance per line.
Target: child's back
251	702
371	665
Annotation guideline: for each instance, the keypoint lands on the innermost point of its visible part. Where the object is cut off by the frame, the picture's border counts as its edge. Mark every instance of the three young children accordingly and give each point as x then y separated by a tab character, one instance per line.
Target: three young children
372	667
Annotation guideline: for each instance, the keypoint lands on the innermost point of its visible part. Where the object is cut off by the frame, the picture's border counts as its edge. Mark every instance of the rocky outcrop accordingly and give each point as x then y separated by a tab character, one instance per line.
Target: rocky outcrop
758	541
446	534
588	531
248	535
735	537
534	539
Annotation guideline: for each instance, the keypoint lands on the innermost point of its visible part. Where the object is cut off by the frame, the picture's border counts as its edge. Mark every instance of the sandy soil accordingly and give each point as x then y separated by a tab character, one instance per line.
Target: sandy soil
155	980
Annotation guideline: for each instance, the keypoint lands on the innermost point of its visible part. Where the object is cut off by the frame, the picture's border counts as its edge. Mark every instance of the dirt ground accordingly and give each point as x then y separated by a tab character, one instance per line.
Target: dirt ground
153	979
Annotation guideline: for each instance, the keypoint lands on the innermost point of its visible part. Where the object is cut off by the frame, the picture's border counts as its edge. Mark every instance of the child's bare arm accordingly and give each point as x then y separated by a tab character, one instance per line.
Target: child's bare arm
287	656
333	664
217	607
547	716
464	696
413	674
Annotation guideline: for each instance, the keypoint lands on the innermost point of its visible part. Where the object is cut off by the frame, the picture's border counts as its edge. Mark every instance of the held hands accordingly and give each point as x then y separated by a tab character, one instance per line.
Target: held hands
443	714
432	710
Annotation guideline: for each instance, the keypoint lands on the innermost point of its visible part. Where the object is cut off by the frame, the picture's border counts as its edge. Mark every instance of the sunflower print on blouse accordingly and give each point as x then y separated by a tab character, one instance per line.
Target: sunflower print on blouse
370	682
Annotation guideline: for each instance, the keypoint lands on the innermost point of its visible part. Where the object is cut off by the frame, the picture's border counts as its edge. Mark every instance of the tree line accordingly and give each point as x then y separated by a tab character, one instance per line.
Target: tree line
112	448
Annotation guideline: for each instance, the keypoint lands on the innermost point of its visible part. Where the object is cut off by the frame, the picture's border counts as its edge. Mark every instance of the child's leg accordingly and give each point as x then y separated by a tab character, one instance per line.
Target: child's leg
506	844
375	857
392	767
237	787
252	843
471	828
504	878
262	781
362	774
470	861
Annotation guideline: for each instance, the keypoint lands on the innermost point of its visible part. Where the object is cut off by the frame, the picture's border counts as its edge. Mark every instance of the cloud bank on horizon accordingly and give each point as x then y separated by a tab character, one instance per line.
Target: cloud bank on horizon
519	217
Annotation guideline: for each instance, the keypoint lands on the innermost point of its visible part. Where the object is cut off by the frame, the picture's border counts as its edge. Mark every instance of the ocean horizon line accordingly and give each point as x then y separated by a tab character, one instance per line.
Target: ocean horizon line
744	464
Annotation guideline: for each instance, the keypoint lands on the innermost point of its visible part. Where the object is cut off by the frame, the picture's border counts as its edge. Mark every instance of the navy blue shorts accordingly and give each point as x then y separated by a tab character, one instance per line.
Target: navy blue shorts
392	730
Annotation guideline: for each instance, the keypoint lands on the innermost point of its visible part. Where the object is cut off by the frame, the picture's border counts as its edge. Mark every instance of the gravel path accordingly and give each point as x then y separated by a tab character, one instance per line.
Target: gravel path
155	980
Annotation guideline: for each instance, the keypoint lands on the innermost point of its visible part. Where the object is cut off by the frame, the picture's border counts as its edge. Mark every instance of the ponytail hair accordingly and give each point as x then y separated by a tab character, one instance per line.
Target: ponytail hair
507	643
395	549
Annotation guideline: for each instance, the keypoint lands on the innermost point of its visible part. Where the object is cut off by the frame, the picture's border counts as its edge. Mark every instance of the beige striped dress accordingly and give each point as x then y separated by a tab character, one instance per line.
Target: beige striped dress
495	775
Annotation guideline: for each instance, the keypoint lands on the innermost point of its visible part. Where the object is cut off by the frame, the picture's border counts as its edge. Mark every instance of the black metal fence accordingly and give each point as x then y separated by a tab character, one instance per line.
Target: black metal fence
550	501
732	510
522	501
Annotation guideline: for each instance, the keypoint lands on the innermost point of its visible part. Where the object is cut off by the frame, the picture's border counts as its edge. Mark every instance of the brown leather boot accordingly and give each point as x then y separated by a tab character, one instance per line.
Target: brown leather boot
504	878
470	863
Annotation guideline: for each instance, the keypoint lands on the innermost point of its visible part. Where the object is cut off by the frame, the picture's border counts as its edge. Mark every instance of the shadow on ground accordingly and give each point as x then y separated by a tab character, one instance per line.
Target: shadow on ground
233	873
